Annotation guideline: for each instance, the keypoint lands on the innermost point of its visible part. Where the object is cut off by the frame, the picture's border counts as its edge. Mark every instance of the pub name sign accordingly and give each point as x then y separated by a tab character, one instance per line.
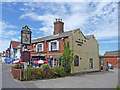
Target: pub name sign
26	36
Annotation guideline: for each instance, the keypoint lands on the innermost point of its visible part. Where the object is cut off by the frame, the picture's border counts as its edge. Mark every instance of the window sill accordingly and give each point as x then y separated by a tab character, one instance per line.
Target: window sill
76	65
40	51
54	50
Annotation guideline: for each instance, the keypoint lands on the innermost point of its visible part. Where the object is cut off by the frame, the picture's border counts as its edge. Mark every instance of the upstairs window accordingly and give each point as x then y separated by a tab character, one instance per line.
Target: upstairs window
76	61
39	47
91	63
54	45
118	59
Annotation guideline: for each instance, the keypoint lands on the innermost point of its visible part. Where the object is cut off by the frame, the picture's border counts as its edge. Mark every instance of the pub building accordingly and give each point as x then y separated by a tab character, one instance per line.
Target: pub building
50	48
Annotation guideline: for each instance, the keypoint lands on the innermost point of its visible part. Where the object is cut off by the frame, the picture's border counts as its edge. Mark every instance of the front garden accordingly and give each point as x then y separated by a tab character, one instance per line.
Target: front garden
45	71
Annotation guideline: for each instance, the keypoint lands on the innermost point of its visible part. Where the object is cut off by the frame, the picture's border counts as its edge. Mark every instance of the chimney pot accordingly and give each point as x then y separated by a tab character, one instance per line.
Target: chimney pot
58	26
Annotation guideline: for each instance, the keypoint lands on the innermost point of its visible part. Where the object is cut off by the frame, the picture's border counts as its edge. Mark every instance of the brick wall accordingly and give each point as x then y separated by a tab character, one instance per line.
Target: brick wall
46	51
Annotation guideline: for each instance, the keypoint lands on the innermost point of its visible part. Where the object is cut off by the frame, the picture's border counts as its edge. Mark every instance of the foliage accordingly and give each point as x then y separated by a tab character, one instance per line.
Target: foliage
118	88
45	66
67	58
59	72
38	73
100	56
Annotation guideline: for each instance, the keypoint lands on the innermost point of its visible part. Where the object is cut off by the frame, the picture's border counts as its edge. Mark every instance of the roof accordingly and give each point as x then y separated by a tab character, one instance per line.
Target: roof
52	37
103	60
112	53
8	49
15	44
89	36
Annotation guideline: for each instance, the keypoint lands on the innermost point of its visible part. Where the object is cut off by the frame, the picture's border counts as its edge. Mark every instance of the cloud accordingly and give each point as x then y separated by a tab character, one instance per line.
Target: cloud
4	29
4	44
14	39
101	52
6	34
98	18
113	41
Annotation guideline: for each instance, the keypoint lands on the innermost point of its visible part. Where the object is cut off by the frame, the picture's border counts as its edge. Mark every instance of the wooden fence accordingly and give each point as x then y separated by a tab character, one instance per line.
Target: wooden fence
16	73
26	74
33	74
20	74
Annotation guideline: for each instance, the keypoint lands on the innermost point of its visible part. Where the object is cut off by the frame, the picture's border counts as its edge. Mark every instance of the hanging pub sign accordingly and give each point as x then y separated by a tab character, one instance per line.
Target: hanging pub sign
26	36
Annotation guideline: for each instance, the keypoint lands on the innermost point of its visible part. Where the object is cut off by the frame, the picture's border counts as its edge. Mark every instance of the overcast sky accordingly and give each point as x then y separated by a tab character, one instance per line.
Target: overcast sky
97	18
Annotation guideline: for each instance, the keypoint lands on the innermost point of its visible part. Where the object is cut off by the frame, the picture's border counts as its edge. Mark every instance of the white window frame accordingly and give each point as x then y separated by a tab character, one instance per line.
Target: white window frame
118	59
38	47
50	46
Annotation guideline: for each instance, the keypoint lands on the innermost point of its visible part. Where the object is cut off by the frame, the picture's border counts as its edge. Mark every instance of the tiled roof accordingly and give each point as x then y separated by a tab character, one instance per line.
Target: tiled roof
15	44
88	36
112	53
8	49
52	37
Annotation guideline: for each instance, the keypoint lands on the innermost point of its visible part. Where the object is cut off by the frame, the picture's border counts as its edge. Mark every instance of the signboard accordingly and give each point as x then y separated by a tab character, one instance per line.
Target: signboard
25	56
26	36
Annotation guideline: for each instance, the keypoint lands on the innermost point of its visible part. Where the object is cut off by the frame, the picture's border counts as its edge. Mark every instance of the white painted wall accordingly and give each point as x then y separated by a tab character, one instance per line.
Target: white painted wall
11	52
18	53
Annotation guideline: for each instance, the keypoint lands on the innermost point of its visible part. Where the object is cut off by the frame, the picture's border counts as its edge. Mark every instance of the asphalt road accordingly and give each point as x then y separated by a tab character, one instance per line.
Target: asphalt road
89	80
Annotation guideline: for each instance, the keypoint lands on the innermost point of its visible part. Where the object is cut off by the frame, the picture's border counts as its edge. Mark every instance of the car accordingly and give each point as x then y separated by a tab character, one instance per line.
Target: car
8	60
111	66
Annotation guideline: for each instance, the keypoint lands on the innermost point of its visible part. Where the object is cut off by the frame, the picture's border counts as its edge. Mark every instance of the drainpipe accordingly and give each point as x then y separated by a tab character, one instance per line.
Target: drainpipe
72	52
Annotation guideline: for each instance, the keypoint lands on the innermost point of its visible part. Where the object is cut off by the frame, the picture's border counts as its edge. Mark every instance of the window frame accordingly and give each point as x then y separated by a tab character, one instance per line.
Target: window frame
76	56
56	46
91	65
38	50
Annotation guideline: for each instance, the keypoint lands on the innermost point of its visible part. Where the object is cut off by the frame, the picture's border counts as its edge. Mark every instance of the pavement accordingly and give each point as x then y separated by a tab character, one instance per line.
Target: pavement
88	80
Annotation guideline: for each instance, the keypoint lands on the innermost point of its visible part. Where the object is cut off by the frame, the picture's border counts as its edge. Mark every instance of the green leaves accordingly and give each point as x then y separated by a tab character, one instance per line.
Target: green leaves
67	58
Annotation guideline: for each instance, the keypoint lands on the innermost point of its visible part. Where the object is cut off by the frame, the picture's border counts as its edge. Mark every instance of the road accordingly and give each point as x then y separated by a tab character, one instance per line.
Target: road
88	80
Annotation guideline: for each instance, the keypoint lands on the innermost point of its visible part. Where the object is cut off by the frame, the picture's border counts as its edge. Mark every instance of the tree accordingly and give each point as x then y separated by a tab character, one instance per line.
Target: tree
100	56
66	59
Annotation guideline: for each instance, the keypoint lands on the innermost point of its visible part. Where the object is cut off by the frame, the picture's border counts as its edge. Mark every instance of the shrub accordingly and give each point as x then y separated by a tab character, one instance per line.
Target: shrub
59	71
118	88
45	66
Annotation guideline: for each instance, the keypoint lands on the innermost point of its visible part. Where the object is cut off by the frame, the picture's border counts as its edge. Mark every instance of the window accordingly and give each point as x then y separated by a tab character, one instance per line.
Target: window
118	59
39	47
76	61
53	46
91	63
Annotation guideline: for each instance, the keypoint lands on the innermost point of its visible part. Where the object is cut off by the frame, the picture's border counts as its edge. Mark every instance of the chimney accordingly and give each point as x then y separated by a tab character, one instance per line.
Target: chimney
58	27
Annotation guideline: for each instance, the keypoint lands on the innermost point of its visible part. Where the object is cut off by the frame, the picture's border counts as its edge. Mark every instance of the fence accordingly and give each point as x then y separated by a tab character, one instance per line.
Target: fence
16	73
33	74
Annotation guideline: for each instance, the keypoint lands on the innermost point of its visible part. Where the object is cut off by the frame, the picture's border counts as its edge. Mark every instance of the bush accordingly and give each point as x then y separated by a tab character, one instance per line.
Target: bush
45	66
118	88
59	72
67	70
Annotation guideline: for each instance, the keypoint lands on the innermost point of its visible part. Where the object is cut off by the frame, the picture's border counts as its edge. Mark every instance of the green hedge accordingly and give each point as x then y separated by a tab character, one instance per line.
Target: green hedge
118	88
46	73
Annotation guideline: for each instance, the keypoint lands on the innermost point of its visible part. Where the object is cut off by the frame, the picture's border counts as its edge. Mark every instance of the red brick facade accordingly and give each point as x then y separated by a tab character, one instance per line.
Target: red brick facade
113	58
46	51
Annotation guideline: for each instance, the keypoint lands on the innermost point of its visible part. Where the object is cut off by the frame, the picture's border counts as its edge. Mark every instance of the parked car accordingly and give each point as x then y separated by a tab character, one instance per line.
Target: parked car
8	60
111	66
